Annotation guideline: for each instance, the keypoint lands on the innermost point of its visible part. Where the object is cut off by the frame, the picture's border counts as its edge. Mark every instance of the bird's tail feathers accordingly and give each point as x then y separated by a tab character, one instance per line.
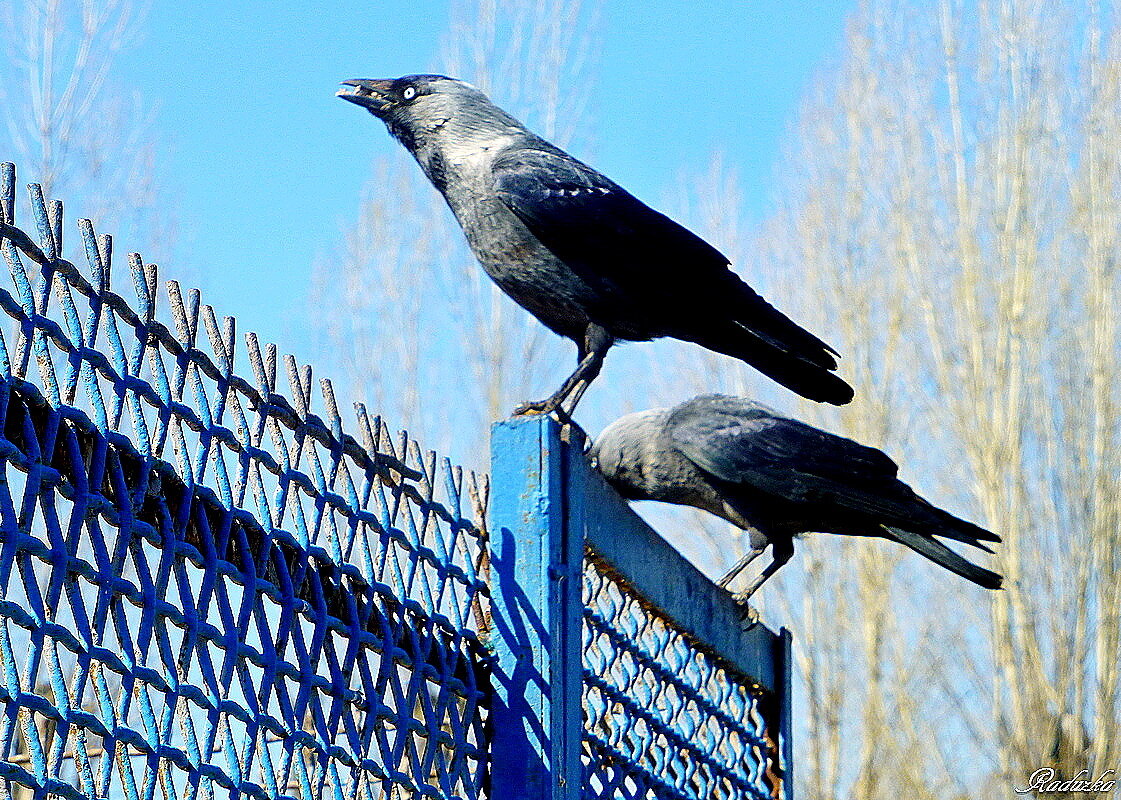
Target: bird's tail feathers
760	318
920	517
943	523
908	510
802	369
940	554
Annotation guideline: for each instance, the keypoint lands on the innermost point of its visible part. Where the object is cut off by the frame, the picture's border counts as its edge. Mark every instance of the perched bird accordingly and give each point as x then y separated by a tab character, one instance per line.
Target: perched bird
577	251
775	478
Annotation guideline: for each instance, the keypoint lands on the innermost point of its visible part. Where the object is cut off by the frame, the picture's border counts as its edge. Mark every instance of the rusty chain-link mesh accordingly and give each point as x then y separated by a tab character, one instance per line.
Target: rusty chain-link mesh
206	587
664	719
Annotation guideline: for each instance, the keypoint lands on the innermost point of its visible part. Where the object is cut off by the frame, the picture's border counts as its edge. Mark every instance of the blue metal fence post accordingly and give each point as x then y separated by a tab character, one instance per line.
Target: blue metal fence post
784	678
535	581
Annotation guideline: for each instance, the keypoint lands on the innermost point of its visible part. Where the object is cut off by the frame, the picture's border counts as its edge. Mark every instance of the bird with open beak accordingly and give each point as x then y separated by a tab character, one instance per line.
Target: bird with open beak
580	253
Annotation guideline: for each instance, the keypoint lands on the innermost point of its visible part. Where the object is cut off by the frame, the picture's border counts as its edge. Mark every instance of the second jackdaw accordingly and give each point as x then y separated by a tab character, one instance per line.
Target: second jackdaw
775	477
578	251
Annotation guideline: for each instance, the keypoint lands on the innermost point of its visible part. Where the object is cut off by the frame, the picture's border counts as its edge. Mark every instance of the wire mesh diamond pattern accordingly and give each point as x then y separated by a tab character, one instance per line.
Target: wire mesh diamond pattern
663	719
207	588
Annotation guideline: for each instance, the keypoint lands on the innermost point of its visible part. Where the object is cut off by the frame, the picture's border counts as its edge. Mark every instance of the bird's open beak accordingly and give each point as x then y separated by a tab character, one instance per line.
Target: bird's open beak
368	93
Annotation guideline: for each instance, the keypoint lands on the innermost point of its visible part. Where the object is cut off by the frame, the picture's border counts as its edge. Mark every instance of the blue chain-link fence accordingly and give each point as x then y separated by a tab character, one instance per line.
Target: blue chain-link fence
209	589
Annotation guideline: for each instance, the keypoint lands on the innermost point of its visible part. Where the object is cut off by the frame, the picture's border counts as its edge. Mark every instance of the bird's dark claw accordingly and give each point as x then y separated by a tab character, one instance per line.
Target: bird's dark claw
573	433
533	407
553	407
748	613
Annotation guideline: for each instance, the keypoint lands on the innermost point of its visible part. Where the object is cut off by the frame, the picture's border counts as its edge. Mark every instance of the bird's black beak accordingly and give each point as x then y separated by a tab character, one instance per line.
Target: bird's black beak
373	95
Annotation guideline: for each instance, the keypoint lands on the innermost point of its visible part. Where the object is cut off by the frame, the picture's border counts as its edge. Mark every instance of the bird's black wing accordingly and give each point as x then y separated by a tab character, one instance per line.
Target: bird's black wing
636	257
741	441
609	237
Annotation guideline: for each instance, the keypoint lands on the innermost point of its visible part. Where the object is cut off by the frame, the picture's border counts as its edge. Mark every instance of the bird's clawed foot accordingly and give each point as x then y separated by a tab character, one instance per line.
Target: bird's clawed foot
535	407
748	613
570	431
553	405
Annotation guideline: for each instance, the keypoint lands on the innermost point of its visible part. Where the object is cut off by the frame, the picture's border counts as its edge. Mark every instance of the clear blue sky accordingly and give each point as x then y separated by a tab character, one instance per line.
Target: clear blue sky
266	165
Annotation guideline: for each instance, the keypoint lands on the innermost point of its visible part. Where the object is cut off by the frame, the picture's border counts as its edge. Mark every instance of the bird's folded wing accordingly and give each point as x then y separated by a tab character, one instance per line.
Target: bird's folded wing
743	442
636	256
609	237
740	441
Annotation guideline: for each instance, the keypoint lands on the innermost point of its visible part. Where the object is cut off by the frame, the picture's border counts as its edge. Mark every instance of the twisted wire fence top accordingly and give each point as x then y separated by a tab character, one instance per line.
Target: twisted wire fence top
212	580
298	472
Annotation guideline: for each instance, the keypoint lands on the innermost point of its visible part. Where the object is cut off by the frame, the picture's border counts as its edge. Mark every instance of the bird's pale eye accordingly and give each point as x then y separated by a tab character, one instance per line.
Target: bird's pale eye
409	93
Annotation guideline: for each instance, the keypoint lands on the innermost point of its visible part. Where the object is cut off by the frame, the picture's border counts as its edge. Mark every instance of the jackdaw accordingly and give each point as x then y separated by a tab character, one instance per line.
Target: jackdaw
580	253
775	477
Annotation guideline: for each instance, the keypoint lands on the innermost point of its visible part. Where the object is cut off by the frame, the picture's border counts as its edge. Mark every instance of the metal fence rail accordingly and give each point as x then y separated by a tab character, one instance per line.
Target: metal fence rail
207	589
643	681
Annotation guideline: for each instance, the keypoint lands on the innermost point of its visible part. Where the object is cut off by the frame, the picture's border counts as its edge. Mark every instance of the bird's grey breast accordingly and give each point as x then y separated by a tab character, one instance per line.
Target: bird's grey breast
515	259
659	471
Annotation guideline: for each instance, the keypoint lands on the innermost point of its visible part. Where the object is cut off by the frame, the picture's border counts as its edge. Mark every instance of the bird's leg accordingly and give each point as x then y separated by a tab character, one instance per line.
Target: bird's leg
782	550
597	341
577	392
554	401
741	565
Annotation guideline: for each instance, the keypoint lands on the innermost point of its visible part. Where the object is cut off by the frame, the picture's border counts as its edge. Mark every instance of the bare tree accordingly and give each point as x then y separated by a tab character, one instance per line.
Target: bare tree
951	226
69	126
